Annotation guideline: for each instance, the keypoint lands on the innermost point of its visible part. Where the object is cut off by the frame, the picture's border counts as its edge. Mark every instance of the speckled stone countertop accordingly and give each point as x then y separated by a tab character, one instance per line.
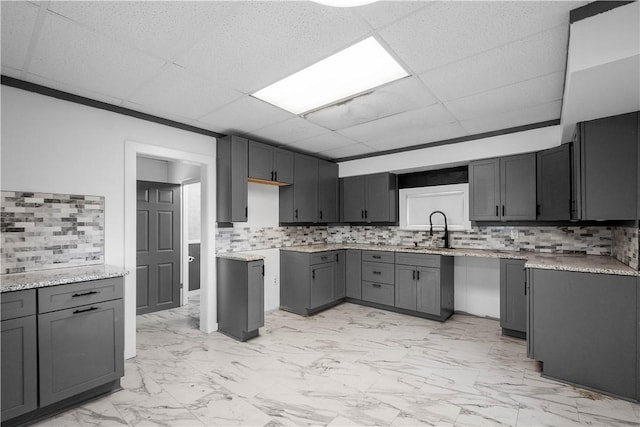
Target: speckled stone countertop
567	262
58	276
240	256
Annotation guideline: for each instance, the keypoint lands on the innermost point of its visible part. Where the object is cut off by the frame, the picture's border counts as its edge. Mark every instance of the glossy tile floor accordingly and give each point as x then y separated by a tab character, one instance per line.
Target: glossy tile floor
350	365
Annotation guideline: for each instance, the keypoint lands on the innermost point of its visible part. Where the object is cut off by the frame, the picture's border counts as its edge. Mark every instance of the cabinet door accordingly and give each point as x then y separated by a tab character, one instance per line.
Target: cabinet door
428	289
322	284
484	190
327	192
283	165
339	290
378	203
255	295
353	273
609	162
305	189
223	180
79	348
513	300
260	161
405	287
19	366
554	183
352	199
239	176
518	187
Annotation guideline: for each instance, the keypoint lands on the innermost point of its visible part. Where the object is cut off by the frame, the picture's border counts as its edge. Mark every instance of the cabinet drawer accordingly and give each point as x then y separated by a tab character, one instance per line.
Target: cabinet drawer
378	292
322	257
419	260
76	294
378	272
17	304
378	256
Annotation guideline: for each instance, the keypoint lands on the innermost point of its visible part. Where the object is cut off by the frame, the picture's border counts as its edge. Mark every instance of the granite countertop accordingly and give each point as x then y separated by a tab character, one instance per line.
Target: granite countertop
240	256
58	276
567	262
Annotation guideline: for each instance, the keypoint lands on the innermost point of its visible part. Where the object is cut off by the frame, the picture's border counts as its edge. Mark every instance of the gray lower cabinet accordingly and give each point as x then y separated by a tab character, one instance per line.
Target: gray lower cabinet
240	297
232	172
339	290
513	298
80	338
424	283
584	328
353	273
308	282
378	281
19	343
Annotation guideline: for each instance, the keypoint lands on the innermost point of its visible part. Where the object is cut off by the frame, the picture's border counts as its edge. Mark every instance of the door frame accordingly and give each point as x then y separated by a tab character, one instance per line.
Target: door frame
208	287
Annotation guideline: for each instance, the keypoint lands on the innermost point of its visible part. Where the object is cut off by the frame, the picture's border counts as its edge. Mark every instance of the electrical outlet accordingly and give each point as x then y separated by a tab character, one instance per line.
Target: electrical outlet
514	234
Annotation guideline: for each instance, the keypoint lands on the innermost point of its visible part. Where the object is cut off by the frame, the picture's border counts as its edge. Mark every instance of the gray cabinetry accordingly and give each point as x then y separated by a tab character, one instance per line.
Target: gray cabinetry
232	174
369	198
353	273
19	345
378	279
584	328
299	202
503	189
240	297
271	164
605	163
513	299
328	192
554	184
340	290
80	338
322	284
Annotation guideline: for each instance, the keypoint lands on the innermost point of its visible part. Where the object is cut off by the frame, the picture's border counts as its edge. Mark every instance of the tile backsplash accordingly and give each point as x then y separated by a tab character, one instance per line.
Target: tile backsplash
625	245
255	238
44	230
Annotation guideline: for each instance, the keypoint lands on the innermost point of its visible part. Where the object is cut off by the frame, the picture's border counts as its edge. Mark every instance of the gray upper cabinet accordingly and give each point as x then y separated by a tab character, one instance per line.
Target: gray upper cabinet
503	188
605	163
232	172
554	184
369	198
305	188
328	192
268	163
513	299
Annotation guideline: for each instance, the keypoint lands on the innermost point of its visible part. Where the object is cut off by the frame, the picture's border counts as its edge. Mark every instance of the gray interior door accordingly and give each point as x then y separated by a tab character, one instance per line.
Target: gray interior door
194	266
158	247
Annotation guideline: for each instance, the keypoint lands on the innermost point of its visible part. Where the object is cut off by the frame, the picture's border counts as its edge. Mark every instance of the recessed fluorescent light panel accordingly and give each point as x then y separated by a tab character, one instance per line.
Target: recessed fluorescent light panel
349	72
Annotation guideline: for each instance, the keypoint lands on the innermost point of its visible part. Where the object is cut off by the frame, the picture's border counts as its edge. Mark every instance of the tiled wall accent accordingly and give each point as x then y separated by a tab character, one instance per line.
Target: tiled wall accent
254	238
42	230
589	240
625	245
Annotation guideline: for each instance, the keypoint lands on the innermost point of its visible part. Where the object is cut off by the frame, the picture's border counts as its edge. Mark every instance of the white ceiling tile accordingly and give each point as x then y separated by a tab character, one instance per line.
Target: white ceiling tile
244	115
382	13
397	97
182	93
323	142
11	72
450	31
392	126
348	151
289	131
266	41
527	94
162	28
534	56
18	21
71	54
416	136
513	118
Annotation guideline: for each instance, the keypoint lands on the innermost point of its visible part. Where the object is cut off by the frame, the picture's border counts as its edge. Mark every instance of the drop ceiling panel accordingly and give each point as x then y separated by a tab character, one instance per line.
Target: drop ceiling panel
527	94
397	97
71	54
418	135
349	150
290	131
323	142
399	124
381	14
513	118
244	115
534	56
266	41
179	92
71	88
162	28
18	21
450	31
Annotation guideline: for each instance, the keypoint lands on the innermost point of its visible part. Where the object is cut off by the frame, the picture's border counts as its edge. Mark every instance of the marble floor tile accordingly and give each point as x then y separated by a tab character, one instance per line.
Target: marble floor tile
348	366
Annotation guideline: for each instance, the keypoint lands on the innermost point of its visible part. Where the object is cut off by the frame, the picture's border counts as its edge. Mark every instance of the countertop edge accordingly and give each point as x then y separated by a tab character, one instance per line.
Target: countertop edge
73	277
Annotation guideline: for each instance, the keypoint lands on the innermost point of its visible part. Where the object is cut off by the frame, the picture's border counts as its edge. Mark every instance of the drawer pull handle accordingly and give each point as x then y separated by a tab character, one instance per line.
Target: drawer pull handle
325	257
375	285
84	294
85	310
376	256
377	272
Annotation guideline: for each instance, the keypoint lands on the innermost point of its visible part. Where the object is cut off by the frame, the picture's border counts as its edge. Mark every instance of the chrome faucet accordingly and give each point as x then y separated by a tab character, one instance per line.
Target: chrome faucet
446	229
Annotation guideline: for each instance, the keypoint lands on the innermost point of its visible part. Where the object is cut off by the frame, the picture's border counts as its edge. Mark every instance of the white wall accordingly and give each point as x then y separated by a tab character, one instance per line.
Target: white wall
152	170
56	146
477	286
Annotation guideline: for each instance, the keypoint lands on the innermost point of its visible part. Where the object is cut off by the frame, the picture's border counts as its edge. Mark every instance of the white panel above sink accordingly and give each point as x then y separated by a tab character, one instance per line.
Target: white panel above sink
416	204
